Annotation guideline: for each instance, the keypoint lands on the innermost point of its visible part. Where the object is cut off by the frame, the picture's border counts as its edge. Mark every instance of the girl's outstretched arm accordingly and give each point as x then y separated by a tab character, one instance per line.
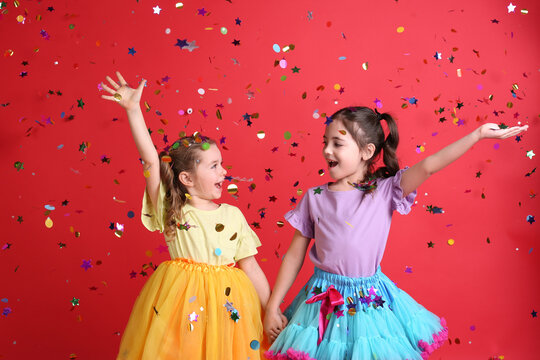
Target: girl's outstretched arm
274	322
254	272
417	174
129	99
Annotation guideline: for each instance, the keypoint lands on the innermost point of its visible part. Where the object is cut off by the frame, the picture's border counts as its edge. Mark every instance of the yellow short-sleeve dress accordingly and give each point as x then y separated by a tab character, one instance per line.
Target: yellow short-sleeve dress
197	305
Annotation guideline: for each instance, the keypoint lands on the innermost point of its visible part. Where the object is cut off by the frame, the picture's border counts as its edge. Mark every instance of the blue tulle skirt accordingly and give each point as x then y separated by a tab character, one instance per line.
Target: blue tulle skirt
374	319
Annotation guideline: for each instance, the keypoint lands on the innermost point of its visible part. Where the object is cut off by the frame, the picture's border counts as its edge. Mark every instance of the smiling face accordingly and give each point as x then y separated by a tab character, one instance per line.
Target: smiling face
345	160
206	182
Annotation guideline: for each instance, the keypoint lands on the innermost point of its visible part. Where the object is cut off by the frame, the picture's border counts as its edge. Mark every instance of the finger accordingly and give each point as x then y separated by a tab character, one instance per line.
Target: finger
141	85
108	89
121	79
107	97
113	83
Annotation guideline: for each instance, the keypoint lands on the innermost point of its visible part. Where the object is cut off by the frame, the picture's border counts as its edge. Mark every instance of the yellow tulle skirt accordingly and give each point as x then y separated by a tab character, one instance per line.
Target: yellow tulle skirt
189	310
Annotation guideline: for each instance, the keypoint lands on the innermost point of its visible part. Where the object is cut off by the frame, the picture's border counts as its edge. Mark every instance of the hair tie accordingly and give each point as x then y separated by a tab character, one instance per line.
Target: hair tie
379	115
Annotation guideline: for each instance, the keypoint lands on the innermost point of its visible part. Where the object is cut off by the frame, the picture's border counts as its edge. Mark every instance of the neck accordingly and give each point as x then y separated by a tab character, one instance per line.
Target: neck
202	204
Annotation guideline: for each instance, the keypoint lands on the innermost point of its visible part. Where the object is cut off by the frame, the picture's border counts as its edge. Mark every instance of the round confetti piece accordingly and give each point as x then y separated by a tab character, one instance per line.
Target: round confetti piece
261	134
49	223
254	345
220	227
321	172
400	29
451	242
217	251
227	291
283	77
146	173
337	86
223	30
205	146
49	207
201	91
181	112
189	111
149	253
299	192
71	26
287	135
232	189
283	63
20	18
167	31
166	158
342	58
130	214
179	5
276	48
365	66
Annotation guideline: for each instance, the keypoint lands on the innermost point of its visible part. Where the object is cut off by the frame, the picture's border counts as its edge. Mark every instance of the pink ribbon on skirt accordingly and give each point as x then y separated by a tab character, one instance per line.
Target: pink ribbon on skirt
330	299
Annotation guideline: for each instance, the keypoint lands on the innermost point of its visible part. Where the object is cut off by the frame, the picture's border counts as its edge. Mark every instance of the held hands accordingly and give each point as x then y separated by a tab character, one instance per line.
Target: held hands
274	323
492	131
123	94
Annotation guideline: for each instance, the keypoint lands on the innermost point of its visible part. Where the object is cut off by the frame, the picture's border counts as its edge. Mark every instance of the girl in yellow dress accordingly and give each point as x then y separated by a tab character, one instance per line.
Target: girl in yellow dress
197	305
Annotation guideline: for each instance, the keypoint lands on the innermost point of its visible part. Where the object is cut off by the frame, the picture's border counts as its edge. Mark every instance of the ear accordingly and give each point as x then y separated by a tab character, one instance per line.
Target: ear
368	152
185	178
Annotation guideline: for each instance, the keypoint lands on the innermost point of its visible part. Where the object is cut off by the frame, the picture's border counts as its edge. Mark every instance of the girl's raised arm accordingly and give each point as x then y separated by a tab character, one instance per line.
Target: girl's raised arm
129	99
417	174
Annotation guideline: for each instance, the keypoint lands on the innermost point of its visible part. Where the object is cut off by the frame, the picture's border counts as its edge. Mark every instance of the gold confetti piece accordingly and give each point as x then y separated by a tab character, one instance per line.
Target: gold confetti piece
321	172
227	291
118	233
179	5
49	223
352	311
9	52
515	86
524	11
342	132
349	224
20	18
299	192
16	3
261	134
280	223
220	227
232	189
337	86
252	186
234	237
147	106
148	253
117	97
118	200
365	66
218	114
146	173
187	196
451	242
509	104
400	29
190	327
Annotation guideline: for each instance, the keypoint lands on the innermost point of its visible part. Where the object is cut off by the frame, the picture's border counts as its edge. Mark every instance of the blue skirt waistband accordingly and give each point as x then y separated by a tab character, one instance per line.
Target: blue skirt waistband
342	280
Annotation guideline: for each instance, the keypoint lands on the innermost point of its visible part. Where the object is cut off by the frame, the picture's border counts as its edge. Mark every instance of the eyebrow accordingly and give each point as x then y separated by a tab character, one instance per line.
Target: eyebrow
333	137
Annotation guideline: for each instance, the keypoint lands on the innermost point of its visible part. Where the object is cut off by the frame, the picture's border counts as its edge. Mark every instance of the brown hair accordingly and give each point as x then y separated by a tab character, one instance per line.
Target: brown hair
364	124
182	155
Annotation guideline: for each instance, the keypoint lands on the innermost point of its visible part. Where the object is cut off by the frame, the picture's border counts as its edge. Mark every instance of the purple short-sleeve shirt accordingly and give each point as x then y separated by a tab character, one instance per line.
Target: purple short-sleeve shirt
350	228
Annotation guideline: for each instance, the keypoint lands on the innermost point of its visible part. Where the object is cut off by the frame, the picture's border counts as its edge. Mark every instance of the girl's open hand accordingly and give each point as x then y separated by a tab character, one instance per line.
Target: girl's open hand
492	131
122	93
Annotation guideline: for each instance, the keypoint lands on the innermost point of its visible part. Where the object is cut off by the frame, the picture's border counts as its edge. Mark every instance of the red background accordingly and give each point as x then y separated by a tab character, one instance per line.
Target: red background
57	53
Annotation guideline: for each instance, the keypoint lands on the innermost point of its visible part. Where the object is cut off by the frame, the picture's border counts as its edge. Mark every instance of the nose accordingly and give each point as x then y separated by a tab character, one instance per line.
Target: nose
224	171
326	150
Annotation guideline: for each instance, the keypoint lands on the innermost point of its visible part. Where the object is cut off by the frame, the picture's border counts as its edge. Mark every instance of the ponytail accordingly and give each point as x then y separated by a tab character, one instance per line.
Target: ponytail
389	148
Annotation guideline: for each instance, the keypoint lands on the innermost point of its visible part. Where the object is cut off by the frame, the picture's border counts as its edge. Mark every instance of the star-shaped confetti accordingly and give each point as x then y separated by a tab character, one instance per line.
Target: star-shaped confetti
236	42
238	21
181	43
75	301
437	56
156	9
530	219
131	51
87	264
295	69
430	244
318	190
533	313
193	316
511	8
530	154
201	12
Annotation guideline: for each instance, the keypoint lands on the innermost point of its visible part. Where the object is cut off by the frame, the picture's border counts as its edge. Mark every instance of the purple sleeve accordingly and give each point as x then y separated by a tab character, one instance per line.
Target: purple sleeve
400	203
300	217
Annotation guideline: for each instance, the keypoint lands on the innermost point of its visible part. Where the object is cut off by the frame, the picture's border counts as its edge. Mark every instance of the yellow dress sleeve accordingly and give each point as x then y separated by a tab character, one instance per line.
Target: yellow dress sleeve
248	241
152	216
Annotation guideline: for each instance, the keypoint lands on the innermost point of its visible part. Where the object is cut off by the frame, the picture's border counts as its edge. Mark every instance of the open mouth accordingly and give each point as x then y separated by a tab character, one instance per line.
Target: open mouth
219	185
332	163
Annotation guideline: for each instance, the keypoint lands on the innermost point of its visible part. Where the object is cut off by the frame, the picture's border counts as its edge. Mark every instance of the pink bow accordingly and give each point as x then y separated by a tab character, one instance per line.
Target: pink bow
330	299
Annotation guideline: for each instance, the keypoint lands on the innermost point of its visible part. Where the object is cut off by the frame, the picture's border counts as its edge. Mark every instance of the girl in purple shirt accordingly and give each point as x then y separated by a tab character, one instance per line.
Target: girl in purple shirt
349	309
